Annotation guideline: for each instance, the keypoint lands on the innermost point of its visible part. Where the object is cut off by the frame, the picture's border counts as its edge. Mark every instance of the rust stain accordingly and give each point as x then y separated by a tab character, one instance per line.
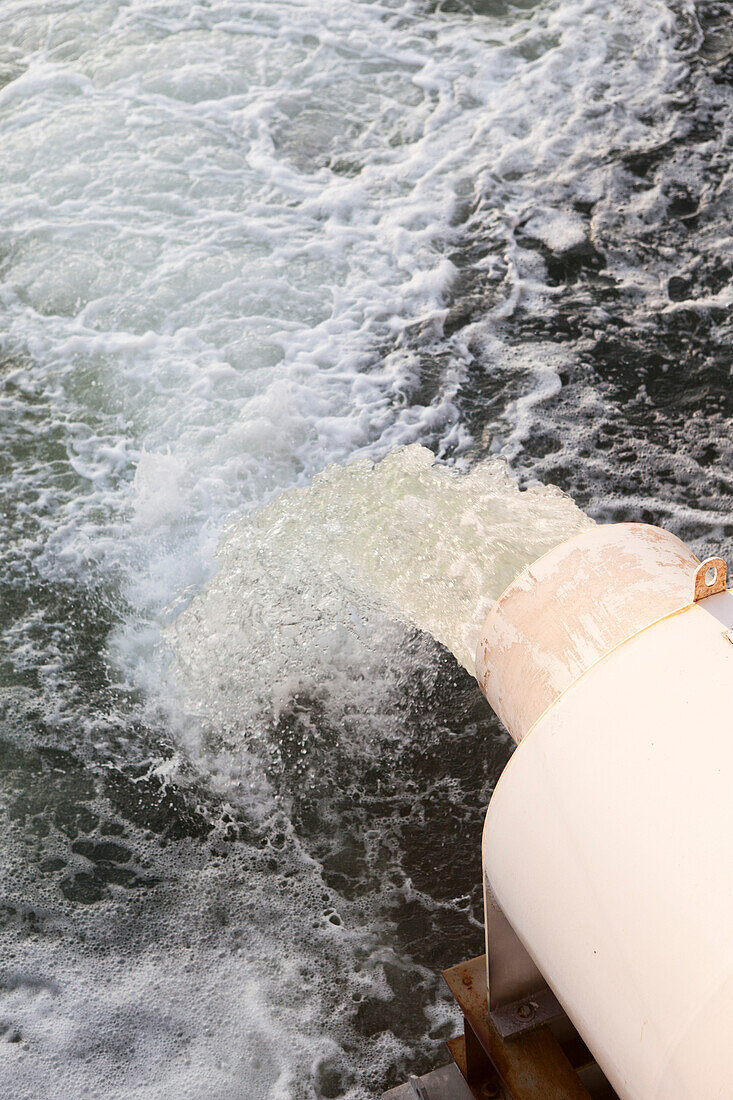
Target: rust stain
532	1066
710	578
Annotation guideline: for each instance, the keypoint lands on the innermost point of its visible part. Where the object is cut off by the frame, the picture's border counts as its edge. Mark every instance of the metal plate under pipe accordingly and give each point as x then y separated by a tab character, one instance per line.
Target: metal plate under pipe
446	1083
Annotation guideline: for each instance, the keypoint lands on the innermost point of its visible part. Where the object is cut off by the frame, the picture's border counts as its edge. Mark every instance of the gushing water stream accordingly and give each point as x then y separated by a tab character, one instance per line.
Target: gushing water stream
305	581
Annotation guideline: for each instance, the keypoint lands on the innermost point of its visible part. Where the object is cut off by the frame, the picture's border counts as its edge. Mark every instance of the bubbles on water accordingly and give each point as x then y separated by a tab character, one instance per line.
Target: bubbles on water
239	974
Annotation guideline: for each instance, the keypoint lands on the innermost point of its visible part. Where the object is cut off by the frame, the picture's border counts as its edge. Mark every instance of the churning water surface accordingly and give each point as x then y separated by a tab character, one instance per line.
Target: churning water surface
284	286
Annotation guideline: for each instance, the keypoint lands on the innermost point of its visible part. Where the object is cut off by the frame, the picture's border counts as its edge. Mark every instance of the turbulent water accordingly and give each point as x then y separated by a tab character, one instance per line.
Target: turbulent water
338	563
283	288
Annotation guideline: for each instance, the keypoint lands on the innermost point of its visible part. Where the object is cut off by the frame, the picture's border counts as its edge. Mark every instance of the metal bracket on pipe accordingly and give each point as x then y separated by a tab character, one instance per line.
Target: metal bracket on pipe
533	1066
519	997
710	578
518	1017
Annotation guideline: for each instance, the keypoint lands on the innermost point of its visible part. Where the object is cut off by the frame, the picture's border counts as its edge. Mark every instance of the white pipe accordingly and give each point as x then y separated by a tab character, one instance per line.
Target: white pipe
609	839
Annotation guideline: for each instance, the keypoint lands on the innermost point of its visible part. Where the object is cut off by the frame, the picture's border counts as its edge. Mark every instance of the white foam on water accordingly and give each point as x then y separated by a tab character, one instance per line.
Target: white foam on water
130	1001
222	223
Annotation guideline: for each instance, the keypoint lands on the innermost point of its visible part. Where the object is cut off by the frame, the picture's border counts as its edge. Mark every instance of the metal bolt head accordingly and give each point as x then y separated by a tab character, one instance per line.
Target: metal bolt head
525	1011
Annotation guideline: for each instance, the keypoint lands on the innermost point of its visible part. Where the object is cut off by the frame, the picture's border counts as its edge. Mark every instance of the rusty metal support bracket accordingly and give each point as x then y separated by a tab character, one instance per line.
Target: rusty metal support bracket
532	1066
478	1063
710	578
